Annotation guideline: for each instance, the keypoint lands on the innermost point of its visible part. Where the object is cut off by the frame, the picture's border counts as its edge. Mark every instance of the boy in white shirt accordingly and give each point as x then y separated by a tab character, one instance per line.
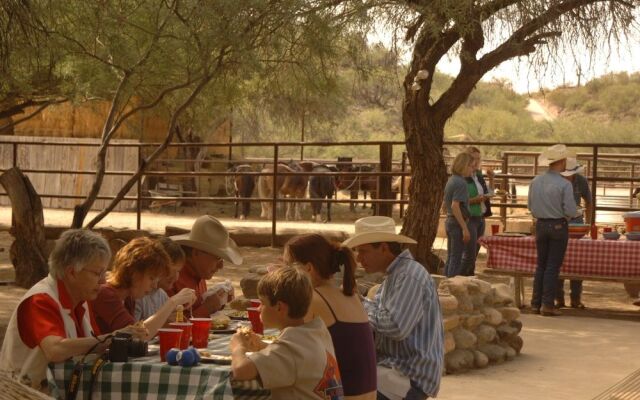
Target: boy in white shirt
300	363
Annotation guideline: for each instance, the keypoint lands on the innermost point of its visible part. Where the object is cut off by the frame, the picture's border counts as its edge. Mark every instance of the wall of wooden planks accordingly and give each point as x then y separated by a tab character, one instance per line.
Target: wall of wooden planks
33	154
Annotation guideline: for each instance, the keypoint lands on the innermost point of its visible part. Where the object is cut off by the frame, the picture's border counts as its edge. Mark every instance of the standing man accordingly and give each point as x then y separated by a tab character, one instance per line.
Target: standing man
405	313
581	191
552	205
205	247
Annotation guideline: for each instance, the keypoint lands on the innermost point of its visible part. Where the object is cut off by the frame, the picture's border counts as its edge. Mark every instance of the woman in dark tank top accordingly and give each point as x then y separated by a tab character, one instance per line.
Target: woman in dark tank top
340	309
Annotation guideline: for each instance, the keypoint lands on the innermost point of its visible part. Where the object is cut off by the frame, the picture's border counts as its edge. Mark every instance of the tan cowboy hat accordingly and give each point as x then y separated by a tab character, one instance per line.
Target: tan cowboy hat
375	230
209	235
555	153
572	168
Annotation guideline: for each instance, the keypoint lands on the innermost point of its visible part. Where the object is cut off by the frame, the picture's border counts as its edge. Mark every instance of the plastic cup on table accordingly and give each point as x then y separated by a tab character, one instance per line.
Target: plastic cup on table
169	338
256	303
200	332
256	322
185	327
594	231
495	228
606	229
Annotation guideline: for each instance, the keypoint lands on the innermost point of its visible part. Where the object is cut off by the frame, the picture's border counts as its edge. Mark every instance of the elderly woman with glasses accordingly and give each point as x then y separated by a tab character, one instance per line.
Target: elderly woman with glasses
137	268
52	321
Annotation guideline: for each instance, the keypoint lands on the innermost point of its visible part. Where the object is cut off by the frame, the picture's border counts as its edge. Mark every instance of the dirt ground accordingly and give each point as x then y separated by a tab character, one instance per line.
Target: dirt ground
608	306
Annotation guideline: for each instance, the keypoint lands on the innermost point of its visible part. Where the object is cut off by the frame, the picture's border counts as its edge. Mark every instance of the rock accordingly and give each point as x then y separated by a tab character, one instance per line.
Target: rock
437	279
509	313
371	293
516	324
505	330
511	353
480	360
464	338
472	286
477	299
485	333
459	360
455	286
465	305
451	322
249	285
472	321
484	287
502	294
492	316
448	303
515	342
495	353
449	342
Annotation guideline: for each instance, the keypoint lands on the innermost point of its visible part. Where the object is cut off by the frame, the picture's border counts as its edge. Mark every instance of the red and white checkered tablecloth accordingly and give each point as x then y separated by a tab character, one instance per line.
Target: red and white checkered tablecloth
601	258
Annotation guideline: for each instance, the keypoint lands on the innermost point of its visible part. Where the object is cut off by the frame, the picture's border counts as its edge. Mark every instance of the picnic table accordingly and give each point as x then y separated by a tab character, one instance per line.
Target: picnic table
149	378
585	259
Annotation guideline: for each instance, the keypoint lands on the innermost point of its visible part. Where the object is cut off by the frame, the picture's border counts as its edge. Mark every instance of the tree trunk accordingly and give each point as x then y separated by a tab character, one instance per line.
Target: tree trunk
428	177
28	251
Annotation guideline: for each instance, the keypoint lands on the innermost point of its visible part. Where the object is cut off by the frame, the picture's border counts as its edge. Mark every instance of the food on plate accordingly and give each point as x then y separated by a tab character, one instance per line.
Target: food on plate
269	338
240	304
236	314
220	321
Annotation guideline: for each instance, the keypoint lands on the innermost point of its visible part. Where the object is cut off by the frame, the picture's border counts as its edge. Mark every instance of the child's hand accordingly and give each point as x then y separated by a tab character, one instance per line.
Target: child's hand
238	340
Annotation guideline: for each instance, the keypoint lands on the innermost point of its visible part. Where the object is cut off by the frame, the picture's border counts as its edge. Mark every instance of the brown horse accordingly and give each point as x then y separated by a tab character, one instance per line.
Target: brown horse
354	184
290	186
243	186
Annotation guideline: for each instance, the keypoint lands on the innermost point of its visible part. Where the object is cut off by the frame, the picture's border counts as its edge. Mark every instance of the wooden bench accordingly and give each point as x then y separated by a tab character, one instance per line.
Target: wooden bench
519	286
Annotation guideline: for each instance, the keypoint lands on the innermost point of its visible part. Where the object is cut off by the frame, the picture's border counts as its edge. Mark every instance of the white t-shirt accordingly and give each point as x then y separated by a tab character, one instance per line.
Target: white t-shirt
150	304
300	364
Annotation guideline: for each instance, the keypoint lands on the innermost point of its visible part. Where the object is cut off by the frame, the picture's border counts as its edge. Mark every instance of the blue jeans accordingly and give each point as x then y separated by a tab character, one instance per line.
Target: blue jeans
576	286
471	249
455	248
552	237
415	393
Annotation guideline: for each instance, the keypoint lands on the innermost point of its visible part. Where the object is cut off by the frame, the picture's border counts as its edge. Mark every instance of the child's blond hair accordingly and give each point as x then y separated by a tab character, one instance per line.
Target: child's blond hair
290	286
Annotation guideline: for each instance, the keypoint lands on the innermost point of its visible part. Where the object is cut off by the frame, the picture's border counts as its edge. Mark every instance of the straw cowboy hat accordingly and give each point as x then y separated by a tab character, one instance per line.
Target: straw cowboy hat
555	153
375	230
209	235
572	168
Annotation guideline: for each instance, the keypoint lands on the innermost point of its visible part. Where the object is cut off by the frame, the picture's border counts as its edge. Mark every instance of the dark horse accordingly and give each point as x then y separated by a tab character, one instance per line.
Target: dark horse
243	186
354	183
321	187
289	186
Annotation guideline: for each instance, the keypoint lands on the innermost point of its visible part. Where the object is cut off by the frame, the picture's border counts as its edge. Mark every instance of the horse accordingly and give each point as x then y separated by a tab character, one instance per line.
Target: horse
243	186
636	193
354	184
321	187
290	186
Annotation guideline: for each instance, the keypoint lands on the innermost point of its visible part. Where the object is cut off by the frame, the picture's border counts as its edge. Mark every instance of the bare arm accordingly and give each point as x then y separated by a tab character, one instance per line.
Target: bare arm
156	321
457	214
57	349
242	368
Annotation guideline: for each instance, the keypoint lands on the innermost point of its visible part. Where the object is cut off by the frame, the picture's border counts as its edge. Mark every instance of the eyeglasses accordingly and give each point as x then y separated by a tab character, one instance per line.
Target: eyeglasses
100	275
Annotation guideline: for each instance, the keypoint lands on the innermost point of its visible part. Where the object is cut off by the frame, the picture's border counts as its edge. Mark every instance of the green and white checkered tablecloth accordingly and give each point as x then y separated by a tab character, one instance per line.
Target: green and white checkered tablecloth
148	378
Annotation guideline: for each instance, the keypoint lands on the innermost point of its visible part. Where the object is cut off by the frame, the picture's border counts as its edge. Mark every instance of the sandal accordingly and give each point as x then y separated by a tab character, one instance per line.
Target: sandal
579	306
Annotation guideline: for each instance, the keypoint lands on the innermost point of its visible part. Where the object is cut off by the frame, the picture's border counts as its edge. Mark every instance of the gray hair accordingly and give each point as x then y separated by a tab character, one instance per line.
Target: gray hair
77	248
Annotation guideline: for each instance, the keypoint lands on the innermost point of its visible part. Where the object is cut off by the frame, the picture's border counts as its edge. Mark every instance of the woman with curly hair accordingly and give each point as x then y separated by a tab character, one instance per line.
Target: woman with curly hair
339	308
137	268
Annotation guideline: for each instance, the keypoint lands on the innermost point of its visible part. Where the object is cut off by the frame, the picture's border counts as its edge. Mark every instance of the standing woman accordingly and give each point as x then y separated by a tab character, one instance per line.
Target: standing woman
340	309
479	208
456	201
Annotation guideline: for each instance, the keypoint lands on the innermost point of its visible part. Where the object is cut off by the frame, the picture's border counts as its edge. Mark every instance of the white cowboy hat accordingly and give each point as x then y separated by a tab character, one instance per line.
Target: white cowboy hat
572	168
375	230
209	235
555	153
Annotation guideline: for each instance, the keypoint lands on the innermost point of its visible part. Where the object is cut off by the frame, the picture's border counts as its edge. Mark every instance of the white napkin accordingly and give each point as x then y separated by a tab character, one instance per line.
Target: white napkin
215	288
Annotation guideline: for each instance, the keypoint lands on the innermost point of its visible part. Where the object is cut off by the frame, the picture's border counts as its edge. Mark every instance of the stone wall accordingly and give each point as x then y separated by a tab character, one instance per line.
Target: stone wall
481	323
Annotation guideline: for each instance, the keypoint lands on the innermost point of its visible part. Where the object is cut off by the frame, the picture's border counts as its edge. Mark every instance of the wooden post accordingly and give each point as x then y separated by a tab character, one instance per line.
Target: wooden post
274	201
14	148
633	173
402	180
594	185
505	188
384	182
229	163
139	194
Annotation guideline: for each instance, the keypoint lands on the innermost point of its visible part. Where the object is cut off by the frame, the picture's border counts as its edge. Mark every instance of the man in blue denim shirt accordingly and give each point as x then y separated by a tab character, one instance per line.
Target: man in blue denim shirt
551	203
405	313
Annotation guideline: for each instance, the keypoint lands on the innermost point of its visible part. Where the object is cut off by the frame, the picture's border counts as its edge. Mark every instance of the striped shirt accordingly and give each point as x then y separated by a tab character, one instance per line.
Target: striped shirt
406	318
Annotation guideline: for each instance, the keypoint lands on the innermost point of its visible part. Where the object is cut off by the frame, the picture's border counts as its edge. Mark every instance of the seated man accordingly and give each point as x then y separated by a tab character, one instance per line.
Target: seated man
301	363
405	313
52	321
205	247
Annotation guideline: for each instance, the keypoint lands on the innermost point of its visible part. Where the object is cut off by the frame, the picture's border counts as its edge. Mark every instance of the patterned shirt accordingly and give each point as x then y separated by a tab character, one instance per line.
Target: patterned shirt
406	318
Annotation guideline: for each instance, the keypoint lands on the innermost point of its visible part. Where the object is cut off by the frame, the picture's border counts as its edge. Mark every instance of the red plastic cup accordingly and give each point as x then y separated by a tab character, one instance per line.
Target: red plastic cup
200	332
256	322
495	229
255	303
169	338
594	231
185	327
607	229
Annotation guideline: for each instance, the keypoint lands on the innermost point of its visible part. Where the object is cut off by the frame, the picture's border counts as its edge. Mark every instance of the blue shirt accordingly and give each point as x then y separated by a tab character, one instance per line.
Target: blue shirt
551	196
405	316
456	190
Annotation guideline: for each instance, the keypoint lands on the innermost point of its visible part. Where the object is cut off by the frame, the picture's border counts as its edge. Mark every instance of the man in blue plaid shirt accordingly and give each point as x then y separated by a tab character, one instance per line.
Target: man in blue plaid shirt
405	313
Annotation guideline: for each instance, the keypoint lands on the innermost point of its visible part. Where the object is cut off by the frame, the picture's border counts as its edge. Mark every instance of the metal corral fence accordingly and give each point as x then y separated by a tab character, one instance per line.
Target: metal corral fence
514	167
